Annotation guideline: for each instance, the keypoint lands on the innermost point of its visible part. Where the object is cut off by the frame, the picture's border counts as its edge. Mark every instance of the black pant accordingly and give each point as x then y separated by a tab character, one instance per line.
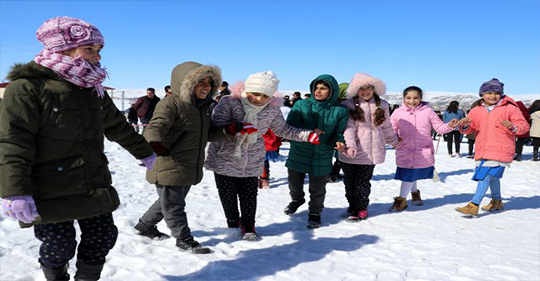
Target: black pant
98	236
317	189
519	146
357	185
471	147
454	136
233	189
536	144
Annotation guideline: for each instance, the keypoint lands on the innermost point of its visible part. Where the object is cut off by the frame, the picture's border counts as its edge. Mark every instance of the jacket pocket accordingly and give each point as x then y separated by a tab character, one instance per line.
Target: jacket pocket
61	178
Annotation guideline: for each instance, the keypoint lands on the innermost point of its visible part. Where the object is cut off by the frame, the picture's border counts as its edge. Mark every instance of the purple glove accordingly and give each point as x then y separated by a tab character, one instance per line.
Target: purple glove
149	161
21	208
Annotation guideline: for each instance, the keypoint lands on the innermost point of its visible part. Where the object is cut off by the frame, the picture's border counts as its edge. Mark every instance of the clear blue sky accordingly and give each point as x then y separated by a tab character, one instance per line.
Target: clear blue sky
438	45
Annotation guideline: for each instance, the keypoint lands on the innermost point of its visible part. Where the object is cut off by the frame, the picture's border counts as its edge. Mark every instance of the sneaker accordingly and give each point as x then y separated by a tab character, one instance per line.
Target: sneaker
149	231
470	209
399	205
249	233
293	206
451	155
494	205
314	220
356	217
470	156
416	199
457	155
190	244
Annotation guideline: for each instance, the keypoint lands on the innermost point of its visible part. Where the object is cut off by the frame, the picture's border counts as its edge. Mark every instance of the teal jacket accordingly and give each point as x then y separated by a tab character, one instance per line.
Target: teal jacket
329	116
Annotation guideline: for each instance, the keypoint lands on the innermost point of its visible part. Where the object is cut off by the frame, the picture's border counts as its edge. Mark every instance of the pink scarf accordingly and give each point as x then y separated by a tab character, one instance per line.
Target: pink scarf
75	70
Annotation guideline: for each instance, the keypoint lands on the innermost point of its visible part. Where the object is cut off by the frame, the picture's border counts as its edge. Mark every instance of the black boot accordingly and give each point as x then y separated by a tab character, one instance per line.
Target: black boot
149	231
535	155
190	244
88	272
58	273
293	206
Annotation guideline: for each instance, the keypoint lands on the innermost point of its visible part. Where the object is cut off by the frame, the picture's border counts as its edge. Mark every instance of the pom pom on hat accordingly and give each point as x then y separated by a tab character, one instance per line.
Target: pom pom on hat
262	82
65	33
493	85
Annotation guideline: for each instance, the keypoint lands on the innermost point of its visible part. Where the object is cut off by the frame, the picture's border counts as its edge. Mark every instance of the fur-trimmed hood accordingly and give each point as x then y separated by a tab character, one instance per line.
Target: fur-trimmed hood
238	88
363	79
186	75
30	70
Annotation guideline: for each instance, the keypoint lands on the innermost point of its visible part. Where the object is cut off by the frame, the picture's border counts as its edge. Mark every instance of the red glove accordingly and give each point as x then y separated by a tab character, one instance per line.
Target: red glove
239	127
314	138
159	148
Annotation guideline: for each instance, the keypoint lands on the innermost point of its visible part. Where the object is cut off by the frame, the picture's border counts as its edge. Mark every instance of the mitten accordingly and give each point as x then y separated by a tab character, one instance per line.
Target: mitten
238	127
314	138
149	161
21	208
159	149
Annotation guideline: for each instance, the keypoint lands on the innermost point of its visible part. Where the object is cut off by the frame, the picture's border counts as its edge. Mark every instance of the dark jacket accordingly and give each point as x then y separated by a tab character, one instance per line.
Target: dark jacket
182	124
51	145
328	116
145	106
132	115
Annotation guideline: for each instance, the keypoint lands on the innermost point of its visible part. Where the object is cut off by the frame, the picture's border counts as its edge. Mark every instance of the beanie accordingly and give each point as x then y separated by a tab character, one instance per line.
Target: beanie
65	33
262	82
493	85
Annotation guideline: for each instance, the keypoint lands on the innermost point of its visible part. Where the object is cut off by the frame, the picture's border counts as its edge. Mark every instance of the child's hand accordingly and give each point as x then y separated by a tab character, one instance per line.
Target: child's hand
453	123
398	144
509	125
465	122
340	147
318	132
351	152
239	127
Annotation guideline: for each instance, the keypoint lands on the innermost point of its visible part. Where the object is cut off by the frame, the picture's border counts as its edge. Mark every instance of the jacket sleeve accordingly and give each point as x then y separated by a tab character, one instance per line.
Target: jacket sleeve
516	117
340	126
19	124
437	124
221	118
350	134
390	136
394	123
117	129
282	129
164	116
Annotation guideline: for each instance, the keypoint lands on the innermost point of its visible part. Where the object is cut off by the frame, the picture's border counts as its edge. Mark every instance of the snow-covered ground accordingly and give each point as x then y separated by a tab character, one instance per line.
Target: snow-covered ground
431	242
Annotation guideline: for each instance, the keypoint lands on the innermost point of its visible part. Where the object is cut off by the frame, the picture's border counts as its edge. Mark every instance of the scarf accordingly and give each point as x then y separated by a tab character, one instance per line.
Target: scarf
75	70
250	116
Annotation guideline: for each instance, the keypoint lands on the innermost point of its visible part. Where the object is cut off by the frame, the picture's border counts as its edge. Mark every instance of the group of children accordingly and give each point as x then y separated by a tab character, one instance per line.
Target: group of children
55	115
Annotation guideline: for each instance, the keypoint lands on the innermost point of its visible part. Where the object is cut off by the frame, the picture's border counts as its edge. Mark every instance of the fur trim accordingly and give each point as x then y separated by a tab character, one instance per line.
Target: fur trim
185	76
363	79
238	87
30	70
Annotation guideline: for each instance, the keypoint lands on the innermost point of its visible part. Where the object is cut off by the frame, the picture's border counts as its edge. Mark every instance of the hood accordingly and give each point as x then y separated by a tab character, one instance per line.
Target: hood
362	79
30	70
186	75
334	87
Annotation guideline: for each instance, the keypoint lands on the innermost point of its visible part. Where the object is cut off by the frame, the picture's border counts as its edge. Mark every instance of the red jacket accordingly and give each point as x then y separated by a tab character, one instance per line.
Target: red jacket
527	117
271	141
493	140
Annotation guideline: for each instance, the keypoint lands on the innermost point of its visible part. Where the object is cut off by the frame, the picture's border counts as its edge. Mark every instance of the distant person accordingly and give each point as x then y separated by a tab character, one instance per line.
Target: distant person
497	120
307	96
394	107
534	111
53	121
133	119
168	91
296	97
522	138
146	105
287	101
453	112
224	89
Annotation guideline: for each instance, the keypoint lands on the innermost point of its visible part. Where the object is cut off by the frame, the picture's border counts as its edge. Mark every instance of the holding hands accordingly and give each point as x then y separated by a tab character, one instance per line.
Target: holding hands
465	122
340	147
21	208
314	136
453	123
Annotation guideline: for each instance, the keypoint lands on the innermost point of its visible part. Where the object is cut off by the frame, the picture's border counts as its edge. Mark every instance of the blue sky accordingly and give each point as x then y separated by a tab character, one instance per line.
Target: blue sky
449	46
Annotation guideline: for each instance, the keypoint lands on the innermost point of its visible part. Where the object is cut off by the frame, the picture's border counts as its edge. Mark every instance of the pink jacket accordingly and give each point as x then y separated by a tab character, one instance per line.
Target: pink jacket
414	125
493	140
369	140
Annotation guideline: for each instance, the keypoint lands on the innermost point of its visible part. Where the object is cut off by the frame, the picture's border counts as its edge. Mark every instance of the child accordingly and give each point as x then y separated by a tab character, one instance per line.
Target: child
178	132
237	162
54	116
368	129
271	145
324	114
496	121
534	111
413	122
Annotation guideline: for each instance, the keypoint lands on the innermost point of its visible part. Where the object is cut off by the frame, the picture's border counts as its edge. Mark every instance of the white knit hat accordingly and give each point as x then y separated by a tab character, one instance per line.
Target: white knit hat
262	82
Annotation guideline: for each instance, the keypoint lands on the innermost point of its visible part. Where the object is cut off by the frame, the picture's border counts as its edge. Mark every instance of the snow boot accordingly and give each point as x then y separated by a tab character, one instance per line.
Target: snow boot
248	232
358	216
265	184
233	223
88	272
58	273
293	206
149	231
314	220
535	155
400	204
494	205
190	244
416	199
470	209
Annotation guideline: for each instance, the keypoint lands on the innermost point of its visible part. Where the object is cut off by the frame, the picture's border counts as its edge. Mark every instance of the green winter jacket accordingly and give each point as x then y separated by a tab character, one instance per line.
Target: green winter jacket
328	116
51	145
182	125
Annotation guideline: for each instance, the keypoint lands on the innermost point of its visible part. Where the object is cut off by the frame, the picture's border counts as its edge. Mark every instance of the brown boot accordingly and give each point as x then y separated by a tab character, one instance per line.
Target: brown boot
471	209
265	184
494	205
400	204
416	199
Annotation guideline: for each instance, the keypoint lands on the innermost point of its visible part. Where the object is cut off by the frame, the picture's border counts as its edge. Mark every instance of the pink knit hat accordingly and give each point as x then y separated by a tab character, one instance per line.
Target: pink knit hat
65	33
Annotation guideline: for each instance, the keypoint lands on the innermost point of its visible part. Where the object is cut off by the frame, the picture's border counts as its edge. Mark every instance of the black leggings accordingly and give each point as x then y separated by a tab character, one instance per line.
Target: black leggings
454	136
232	190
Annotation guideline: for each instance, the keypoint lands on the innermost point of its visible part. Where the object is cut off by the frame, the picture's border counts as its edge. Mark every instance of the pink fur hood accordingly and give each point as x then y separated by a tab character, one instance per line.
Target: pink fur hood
363	79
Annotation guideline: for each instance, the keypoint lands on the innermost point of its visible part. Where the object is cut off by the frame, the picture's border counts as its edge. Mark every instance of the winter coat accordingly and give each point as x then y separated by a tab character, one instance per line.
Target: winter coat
220	157
368	139
493	140
51	145
535	127
448	116
132	115
182	125
145	106
527	117
330	117
414	125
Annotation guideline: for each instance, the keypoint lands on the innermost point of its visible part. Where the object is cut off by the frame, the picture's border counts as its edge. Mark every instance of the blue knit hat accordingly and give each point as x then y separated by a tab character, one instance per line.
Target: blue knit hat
493	85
